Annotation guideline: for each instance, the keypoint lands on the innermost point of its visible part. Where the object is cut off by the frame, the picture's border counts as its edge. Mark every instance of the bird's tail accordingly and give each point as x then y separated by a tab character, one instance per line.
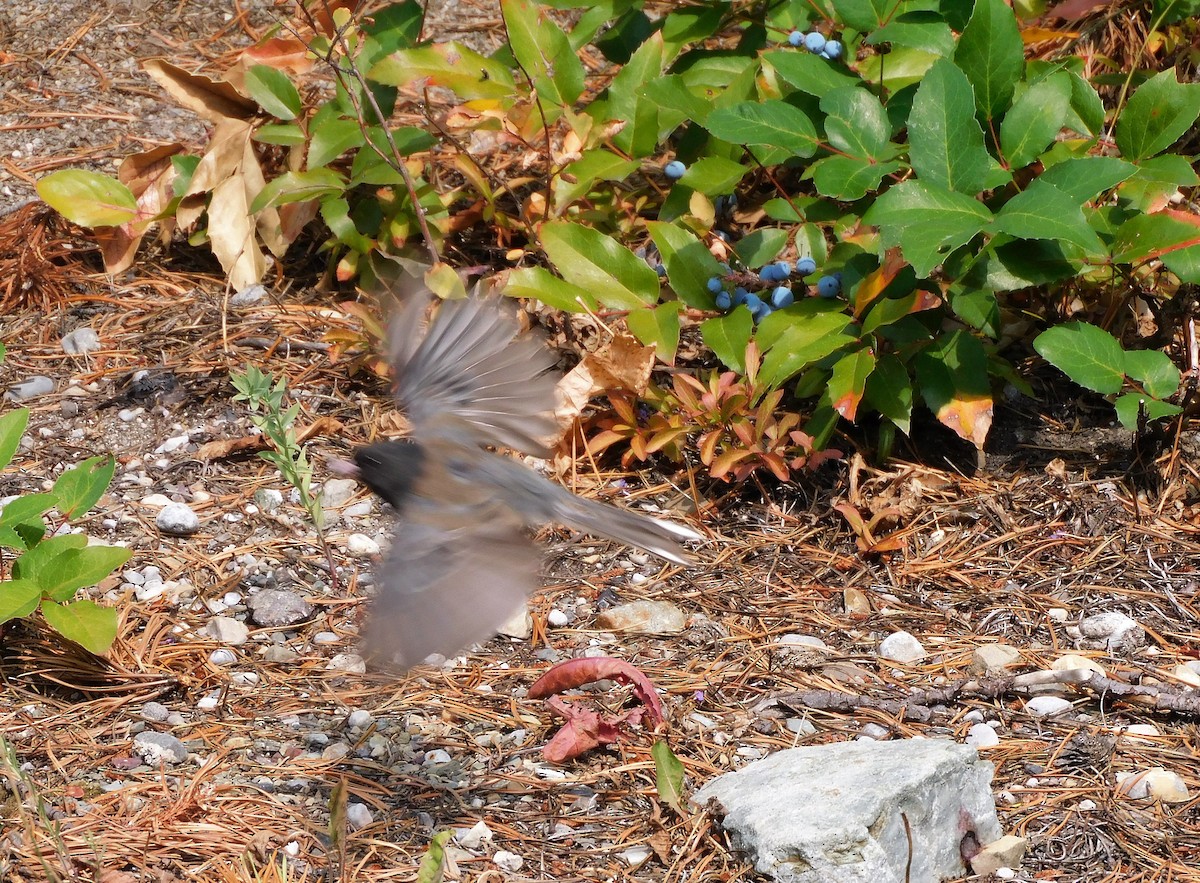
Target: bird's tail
655	535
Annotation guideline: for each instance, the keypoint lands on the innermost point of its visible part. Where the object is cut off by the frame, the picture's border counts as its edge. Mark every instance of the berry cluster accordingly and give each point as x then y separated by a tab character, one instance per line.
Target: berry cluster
767	291
815	42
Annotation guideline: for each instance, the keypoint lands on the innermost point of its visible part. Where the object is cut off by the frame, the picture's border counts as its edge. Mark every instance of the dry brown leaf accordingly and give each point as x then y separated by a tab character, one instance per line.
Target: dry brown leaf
227	447
214	100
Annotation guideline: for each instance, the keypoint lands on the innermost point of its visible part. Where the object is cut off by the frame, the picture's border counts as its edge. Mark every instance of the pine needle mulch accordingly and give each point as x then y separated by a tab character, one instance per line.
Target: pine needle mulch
1016	556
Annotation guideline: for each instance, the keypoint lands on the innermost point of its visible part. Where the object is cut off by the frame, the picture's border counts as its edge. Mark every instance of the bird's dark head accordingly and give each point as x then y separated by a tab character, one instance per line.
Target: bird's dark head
389	469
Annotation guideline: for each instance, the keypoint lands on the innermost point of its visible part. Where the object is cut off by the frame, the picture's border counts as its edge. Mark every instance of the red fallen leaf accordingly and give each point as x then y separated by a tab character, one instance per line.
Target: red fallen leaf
584	730
577	672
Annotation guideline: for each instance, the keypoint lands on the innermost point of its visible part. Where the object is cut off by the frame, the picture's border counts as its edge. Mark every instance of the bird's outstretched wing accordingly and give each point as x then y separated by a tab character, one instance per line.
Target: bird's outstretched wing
470	377
447	582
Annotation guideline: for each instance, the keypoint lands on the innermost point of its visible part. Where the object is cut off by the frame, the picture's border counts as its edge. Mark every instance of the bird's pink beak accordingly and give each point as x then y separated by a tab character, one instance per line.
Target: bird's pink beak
343	467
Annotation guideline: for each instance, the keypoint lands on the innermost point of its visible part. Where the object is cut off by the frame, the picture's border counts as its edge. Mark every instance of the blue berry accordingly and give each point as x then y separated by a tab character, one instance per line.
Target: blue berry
741	295
782	297
785	269
725	268
814	42
770	273
753	301
806	266
660	270
832	49
796	38
674	169
715	284
829	286
723	300
760	313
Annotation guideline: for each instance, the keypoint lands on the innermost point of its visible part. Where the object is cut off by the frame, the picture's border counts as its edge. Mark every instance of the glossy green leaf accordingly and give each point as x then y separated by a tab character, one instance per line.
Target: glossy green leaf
924	30
451	65
658	327
865	15
809	73
1035	119
804	343
728	335
848	178
543	51
713	175
1129	405
774	123
78	489
992	55
18	597
599	264
1145	237
945	141
63	575
889	391
1154	370
538	283
953	379
333	138
1086	177
335	212
668	776
1042	211
32	563
1087	110
12	427
273	91
688	261
283	134
579	177
86	623
87	198
1157	179
926	222
1090	356
847	383
761	247
298	187
1158	114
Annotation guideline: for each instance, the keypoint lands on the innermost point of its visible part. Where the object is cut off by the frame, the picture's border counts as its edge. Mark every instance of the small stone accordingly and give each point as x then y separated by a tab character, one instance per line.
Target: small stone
855	602
32	387
1044	706
156	501
1112	631
901	647
278	607
338	491
268	499
801	726
80	341
1057	614
1186	675
351	663
982	736
1073	661
325	638
437	757
248	296
159	748
1006	852
222	656
361	546
358	816
359	719
801	650
508	861
519	625
280	654
176	519
473	838
1155	783
875	731
149	591
1138	734
155	711
991	658
557	618
636	856
227	630
645	617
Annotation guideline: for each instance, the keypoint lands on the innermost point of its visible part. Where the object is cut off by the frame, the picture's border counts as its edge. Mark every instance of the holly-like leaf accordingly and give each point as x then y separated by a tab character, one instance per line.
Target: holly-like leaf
953	379
1090	356
727	337
658	327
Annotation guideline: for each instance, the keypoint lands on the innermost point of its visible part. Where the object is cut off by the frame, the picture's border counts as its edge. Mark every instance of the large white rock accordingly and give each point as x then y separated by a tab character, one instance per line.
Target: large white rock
860	812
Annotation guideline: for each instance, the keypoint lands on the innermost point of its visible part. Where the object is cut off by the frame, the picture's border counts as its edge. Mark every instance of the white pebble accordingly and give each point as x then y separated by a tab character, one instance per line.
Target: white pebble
361	546
508	861
222	656
556	618
1044	706
358	816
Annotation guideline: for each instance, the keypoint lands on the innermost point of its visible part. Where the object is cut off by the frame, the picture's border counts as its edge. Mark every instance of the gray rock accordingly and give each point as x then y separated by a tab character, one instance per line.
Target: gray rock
338	491
31	387
645	617
248	296
1045	706
222	656
901	647
982	736
227	630
858	812
155	711
80	341
177	520
350	663
359	719
1112	630
277	607
268	499
361	546
358	816
159	748
278	653
992	658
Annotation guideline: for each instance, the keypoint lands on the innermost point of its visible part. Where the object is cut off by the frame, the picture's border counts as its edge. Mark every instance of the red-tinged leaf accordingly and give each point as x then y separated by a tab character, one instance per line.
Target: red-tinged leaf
584	730
726	461
661	439
777	465
604	440
1074	10
970	417
877	281
577	672
853	518
708	446
849	381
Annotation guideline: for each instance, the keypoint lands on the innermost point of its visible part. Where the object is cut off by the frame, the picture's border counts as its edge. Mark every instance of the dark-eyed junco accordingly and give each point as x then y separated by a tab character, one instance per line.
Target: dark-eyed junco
461	562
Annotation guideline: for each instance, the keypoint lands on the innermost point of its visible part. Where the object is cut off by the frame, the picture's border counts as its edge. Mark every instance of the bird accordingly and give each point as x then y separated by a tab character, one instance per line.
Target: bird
462	561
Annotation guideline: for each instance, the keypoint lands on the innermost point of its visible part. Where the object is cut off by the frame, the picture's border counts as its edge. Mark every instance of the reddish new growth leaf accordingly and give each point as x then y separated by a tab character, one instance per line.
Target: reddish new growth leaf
585	729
